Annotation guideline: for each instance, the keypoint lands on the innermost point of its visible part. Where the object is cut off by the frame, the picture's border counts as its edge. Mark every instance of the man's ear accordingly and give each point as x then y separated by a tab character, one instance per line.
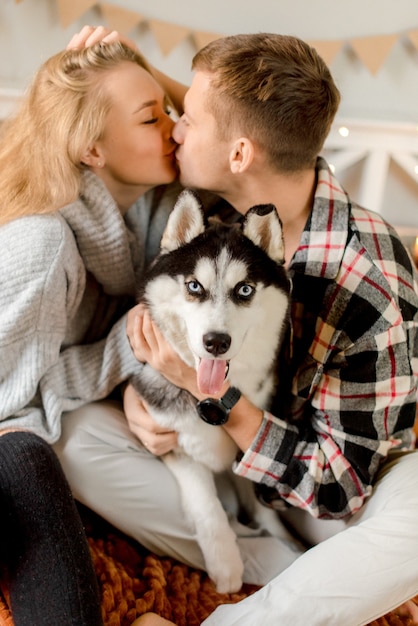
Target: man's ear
241	155
93	157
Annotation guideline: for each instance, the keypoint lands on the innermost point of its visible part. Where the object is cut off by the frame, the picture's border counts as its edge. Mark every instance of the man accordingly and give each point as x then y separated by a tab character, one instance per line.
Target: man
334	462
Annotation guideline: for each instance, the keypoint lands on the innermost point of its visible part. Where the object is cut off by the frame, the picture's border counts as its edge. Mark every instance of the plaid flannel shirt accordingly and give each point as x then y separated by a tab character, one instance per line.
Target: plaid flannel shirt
353	365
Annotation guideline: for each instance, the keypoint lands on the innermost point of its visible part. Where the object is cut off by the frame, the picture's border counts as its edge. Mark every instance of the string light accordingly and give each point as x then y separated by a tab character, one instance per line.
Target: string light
343	130
415	251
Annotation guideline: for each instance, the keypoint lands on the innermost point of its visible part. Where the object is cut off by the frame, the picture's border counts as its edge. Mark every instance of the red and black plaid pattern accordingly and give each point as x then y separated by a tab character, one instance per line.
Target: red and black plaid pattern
354	361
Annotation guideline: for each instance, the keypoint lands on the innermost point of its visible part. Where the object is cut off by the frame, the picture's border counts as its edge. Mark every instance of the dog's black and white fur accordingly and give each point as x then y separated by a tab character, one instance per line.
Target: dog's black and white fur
217	293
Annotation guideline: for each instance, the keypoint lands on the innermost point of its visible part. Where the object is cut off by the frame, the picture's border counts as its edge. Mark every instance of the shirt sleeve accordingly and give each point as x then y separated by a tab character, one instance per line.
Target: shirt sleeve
354	399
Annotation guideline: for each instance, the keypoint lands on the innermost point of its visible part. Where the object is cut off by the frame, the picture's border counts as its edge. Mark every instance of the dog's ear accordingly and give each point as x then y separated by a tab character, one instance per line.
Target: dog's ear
262	225
185	222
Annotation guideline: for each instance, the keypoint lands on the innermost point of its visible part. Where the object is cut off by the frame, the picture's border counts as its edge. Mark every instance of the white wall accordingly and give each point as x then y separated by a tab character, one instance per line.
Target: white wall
382	107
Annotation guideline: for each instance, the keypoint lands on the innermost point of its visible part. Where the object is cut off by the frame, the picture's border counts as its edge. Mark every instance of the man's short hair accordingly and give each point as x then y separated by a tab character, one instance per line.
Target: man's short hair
276	90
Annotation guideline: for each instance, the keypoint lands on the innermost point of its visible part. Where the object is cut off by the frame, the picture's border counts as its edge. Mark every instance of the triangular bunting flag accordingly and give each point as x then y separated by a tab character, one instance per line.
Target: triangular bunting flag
168	35
413	36
120	19
203	38
328	50
70	11
372	51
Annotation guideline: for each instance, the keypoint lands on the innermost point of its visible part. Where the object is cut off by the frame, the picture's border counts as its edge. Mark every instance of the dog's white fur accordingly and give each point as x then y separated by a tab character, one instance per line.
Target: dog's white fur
255	330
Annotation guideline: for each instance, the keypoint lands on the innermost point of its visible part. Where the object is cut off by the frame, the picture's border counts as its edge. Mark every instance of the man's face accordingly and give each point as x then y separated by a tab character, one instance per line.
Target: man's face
202	157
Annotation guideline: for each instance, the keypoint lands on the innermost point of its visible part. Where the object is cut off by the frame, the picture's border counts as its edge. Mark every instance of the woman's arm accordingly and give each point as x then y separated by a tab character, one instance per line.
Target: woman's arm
175	90
41	286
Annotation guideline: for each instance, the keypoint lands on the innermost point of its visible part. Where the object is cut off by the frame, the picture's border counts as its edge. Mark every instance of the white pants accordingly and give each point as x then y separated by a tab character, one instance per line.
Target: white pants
366	569
112	473
360	569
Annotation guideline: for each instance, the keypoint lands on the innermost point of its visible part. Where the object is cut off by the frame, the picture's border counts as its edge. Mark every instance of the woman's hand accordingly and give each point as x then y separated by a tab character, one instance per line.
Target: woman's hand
154	438
149	346
89	35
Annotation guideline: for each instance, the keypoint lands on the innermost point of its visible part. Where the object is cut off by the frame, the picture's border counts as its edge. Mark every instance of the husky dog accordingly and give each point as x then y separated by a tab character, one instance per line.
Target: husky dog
220	296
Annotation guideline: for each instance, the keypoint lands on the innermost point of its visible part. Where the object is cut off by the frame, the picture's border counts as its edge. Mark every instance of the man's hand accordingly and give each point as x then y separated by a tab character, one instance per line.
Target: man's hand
89	35
152	436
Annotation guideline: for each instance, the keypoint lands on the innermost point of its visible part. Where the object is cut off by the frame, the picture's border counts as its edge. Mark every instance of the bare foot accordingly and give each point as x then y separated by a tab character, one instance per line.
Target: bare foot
151	619
408	609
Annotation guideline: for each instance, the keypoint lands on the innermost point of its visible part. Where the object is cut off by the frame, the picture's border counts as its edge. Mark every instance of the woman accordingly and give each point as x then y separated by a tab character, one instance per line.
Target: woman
89	220
80	215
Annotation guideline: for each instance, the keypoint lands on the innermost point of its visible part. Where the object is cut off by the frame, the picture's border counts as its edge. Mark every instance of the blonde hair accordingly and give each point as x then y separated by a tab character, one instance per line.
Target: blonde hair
276	89
62	114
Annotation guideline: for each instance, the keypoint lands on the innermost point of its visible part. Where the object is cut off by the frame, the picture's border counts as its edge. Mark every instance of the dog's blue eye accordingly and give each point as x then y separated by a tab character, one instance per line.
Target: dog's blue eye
195	288
244	290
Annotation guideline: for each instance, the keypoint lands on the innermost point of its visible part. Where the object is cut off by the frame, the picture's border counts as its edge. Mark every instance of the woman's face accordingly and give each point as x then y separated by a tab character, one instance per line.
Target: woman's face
136	151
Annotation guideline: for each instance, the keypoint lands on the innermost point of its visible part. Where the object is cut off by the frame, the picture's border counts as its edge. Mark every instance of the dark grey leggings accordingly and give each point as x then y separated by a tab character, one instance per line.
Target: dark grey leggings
43	547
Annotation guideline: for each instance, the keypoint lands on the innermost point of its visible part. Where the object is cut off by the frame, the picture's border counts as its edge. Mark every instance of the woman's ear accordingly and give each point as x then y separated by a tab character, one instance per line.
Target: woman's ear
93	157
241	155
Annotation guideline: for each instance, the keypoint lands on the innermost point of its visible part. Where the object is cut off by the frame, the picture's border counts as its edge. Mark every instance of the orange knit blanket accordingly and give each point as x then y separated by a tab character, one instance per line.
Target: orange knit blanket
133	581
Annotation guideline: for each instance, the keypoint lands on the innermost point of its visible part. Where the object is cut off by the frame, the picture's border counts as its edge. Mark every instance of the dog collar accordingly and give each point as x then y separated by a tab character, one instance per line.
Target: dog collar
216	412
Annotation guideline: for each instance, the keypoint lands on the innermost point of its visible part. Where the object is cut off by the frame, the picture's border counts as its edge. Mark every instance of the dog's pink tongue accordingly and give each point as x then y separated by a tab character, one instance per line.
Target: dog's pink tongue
211	375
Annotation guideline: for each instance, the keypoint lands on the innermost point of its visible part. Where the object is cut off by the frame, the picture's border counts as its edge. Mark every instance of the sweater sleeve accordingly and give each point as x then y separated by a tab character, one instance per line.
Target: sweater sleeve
42	279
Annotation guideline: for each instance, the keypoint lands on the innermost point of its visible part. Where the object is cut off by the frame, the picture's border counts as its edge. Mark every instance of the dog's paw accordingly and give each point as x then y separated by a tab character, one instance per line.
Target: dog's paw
225	568
232	584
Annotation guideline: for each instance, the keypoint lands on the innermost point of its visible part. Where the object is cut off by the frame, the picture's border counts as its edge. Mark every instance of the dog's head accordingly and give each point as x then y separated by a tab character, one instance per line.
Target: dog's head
219	293
261	225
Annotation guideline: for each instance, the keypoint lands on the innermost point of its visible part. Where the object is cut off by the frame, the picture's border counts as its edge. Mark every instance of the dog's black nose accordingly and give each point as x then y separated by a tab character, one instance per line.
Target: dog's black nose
217	343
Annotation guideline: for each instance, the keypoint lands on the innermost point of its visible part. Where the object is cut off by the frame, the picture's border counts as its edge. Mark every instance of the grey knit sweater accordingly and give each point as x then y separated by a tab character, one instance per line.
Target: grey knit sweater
66	282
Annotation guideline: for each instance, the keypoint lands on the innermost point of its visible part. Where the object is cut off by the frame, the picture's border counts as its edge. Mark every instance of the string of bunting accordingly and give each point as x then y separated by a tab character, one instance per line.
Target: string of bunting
371	51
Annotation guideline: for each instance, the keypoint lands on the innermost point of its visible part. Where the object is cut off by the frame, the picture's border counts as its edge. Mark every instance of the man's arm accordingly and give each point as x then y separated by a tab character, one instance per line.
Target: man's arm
321	463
